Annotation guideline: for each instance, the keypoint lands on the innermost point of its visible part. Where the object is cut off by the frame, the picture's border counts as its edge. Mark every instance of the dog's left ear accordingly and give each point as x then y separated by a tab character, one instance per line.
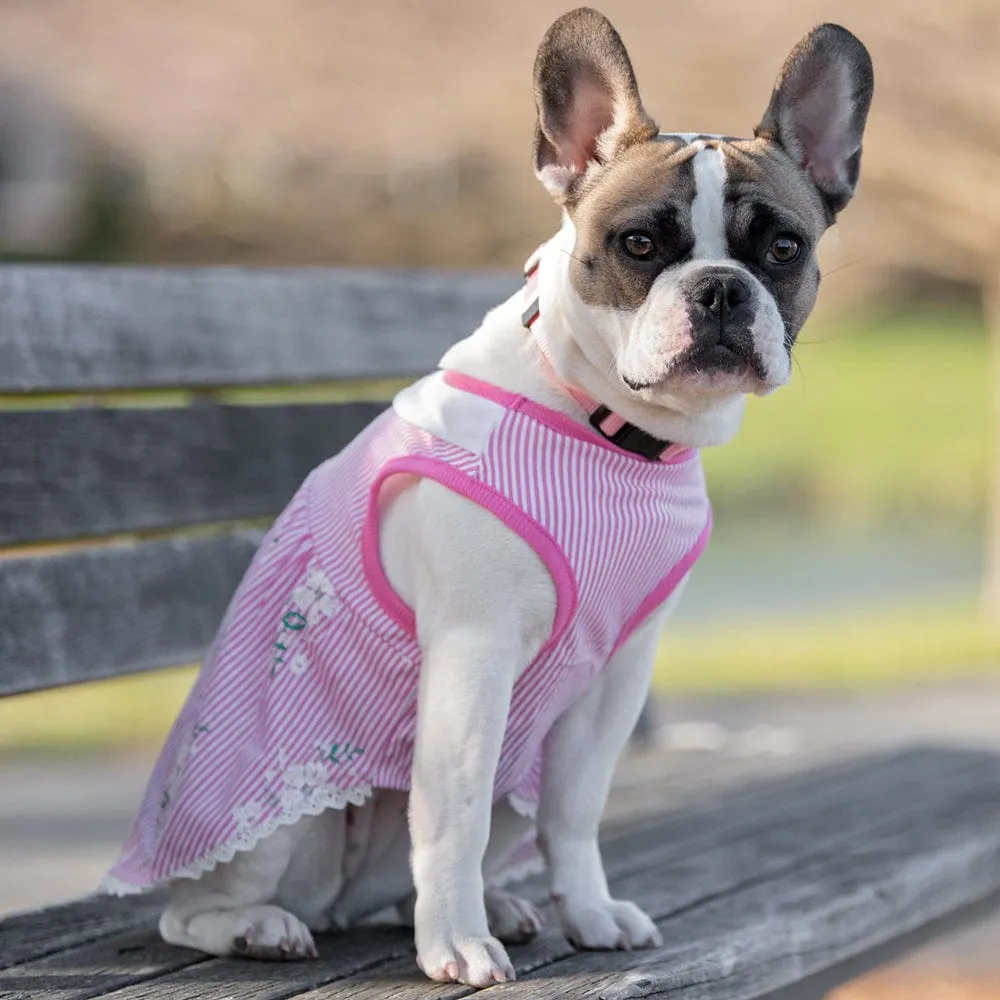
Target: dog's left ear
819	108
588	101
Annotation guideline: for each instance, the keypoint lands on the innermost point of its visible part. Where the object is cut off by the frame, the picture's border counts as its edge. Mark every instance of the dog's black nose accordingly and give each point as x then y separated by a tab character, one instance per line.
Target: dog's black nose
721	292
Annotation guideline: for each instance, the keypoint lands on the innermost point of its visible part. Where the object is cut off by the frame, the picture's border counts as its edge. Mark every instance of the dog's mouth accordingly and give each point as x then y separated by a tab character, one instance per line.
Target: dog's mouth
728	357
727	361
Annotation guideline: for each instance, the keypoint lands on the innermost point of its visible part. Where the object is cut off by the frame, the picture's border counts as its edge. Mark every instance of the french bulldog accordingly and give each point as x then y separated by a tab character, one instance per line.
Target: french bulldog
443	645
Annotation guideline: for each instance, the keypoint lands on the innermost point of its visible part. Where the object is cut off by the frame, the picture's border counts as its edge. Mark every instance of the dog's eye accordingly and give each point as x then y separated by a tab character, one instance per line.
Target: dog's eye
784	250
638	245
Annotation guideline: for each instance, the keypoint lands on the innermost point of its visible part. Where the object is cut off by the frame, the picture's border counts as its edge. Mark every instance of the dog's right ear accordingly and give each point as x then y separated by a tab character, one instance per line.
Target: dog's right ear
588	102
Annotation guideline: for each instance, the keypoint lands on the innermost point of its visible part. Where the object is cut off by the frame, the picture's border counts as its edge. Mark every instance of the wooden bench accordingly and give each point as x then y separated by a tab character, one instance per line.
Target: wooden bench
154	420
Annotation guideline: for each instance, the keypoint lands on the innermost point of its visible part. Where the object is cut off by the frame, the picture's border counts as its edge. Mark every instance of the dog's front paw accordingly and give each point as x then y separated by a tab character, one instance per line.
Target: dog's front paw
475	961
606	925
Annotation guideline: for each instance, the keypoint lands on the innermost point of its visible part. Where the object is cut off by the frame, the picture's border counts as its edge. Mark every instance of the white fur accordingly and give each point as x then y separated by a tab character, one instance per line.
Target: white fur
450	414
707	219
689	136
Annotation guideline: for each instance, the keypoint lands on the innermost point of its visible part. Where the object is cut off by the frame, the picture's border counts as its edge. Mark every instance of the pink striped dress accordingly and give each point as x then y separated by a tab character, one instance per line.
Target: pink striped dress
307	697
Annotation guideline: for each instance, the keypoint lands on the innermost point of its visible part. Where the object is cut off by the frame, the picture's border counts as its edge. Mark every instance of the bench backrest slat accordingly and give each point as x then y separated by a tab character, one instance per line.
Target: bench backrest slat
74	473
101	611
90	328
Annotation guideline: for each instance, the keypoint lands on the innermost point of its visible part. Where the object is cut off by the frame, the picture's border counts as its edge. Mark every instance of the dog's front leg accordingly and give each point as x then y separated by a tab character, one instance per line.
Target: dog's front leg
484	607
580	757
459	731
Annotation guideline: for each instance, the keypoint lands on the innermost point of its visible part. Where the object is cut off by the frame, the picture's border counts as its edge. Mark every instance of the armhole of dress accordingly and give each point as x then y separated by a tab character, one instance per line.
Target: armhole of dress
523	525
666	586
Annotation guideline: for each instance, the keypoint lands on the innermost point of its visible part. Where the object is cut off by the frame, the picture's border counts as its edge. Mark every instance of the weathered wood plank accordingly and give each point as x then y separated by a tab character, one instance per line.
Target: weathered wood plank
874	859
89	472
775	932
96	969
818	985
102	611
31	936
93	328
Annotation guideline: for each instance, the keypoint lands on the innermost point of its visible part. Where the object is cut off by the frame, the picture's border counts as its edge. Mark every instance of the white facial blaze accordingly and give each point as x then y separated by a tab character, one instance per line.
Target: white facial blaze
707	215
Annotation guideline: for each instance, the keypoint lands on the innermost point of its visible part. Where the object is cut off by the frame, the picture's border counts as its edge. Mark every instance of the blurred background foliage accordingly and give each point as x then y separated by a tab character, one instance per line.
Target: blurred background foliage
855	509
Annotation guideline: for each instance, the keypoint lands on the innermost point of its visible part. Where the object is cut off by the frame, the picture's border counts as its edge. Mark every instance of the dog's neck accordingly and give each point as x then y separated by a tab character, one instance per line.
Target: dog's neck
506	354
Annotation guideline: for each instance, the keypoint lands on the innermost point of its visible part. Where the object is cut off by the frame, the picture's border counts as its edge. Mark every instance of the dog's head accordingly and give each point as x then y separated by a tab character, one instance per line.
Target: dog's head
692	258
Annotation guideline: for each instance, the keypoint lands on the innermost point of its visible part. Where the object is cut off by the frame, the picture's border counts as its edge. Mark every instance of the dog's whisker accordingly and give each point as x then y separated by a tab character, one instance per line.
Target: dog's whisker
840	267
579	260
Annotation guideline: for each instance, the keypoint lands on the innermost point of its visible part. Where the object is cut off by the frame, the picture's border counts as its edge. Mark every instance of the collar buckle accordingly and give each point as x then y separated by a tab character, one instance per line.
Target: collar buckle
628	437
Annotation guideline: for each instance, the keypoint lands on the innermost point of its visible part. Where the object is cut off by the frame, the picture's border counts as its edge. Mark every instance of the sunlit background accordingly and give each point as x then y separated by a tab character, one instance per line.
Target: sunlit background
854	511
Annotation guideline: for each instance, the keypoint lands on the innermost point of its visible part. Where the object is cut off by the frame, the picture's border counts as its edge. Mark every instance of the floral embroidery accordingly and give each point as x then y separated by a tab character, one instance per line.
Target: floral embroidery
305	789
270	774
338	754
313	600
316	596
298	665
245	817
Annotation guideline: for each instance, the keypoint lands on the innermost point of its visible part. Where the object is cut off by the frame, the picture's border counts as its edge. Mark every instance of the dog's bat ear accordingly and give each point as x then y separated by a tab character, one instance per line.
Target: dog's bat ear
587	99
819	108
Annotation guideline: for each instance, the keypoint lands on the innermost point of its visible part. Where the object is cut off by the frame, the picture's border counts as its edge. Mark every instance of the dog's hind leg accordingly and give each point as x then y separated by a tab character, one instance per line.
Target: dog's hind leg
377	860
232	911
315	875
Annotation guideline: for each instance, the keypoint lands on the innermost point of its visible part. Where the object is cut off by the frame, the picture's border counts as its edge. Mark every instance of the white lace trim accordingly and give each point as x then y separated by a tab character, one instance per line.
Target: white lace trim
330	798
246	839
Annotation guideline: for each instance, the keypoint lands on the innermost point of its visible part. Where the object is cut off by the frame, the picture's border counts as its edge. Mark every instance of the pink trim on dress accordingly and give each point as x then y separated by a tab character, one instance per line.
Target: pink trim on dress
665	587
551	418
546	547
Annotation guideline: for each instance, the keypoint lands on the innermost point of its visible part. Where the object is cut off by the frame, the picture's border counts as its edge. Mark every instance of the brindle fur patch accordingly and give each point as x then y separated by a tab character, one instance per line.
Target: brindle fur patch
766	195
647	188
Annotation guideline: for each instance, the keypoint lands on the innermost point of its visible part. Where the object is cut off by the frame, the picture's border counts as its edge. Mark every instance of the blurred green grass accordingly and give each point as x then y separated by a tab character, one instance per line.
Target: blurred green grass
885	423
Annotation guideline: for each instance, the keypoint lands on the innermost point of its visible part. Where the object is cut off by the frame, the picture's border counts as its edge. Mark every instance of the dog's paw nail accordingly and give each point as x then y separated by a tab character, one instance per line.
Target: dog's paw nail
451	970
498	976
241	945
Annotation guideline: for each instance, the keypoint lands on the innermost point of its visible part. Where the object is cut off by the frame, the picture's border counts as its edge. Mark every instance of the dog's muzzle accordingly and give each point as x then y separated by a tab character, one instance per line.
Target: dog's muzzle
722	306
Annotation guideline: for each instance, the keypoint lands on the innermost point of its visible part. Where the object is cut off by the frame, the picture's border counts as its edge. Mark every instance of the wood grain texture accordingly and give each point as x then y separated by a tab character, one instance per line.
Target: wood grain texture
97	968
772	932
98	612
31	936
760	890
72	473
99	328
